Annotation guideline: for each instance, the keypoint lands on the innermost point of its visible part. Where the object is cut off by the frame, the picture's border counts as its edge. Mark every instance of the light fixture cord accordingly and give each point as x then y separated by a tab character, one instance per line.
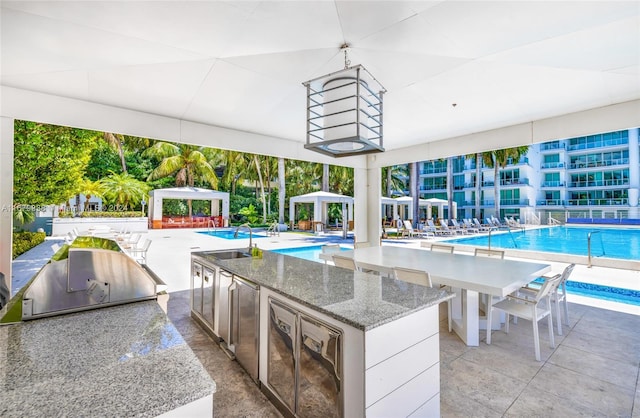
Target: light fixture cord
347	61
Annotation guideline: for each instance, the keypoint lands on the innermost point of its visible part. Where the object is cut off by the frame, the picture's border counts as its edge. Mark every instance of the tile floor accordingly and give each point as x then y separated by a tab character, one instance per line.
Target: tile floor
593	371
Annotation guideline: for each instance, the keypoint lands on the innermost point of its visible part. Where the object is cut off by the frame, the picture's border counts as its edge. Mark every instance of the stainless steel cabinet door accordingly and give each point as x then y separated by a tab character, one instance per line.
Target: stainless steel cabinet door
282	343
207	296
196	288
320	370
245	325
224	281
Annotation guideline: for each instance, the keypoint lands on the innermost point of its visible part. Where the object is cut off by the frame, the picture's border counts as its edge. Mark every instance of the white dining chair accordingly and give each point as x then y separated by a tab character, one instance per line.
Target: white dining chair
344	262
330	249
533	308
558	297
419	277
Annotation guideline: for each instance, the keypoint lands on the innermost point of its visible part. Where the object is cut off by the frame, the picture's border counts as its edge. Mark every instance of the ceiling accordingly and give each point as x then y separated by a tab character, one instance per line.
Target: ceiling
450	68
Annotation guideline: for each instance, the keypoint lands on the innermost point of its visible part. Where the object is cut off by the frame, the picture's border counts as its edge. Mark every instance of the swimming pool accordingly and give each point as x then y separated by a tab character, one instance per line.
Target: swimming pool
621	243
311	253
230	234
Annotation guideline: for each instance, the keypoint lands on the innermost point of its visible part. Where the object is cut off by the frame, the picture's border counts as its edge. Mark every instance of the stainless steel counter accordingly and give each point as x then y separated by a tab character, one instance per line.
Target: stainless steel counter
126	360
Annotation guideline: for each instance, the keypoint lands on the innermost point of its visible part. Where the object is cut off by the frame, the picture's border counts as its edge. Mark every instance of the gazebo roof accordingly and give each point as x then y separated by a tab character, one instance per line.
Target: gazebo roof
321	197
194	193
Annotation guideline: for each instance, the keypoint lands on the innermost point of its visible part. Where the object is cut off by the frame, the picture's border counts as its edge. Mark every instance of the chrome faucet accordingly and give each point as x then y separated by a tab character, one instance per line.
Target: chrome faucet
235	235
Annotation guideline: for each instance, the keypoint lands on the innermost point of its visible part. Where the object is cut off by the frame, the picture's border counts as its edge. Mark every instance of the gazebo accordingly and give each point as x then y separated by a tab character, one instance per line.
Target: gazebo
219	207
320	200
440	204
402	206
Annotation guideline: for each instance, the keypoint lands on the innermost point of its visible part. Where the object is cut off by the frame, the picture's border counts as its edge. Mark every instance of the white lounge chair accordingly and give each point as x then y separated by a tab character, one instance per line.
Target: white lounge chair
444	226
482	227
439	231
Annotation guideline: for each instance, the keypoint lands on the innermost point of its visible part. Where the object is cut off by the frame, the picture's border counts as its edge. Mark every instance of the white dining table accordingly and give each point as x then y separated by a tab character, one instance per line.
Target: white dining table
466	274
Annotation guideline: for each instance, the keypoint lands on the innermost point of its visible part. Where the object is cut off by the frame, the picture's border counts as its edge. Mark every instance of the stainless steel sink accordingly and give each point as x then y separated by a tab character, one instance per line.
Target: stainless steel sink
229	254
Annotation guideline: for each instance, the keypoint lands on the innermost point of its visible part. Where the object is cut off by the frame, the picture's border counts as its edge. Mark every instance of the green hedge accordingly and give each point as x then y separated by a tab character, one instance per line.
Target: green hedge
116	214
24	241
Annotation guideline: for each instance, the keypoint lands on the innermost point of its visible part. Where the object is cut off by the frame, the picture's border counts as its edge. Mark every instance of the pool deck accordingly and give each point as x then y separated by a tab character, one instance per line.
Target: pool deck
593	371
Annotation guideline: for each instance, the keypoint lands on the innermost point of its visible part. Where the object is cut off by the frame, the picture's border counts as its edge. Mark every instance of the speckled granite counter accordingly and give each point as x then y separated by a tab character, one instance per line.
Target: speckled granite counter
126	360
344	295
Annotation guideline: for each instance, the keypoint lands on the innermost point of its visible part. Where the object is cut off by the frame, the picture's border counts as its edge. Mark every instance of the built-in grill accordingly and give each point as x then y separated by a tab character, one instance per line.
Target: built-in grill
91	273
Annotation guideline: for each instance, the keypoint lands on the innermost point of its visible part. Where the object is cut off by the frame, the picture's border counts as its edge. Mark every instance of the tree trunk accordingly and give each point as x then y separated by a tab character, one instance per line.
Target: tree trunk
450	212
413	175
478	184
325	177
496	186
281	190
264	202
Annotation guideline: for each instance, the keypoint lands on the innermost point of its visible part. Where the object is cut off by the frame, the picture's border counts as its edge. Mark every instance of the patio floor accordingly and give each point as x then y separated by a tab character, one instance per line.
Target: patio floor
593	371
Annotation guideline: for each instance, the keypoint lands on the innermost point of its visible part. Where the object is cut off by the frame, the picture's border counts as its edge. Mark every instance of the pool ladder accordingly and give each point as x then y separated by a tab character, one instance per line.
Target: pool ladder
589	247
515	245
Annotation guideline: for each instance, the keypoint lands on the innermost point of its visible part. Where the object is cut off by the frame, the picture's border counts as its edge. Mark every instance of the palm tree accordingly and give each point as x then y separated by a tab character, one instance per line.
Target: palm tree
187	162
452	215
90	188
497	159
123	189
116	141
414	190
394	178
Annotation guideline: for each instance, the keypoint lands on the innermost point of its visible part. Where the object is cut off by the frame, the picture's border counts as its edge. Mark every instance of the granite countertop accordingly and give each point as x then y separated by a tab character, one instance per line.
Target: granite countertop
362	300
126	360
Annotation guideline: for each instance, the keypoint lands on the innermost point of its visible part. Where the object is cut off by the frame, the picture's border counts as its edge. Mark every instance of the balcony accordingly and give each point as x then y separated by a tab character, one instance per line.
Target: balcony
598	183
432	187
598	202
552	184
551	202
515	202
603	163
599	144
515	182
552	146
546	166
433	170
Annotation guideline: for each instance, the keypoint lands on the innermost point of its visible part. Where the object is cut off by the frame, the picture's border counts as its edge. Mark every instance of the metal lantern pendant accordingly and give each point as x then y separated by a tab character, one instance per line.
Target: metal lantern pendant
344	113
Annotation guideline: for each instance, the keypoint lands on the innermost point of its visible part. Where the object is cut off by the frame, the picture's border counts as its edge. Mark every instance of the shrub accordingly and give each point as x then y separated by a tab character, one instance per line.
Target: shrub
24	241
116	214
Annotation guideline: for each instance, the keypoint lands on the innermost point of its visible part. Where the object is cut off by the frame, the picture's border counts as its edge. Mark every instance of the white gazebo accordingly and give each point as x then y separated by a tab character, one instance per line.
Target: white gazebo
320	200
402	206
440	204
219	202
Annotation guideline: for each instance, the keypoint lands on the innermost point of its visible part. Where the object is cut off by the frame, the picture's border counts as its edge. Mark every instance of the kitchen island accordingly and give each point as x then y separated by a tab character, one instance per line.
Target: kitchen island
126	360
370	343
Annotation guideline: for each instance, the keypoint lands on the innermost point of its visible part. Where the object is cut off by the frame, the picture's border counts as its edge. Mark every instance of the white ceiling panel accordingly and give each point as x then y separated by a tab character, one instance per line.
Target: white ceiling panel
241	64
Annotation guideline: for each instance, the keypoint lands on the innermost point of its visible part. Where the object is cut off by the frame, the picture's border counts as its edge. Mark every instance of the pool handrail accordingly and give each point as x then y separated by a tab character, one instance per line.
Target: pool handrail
589	246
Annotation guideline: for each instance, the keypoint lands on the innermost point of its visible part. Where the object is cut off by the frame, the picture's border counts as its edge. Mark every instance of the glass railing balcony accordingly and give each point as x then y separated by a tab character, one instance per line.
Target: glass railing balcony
515	182
557	164
487	183
432	187
552	184
604	163
599	183
433	170
599	144
598	202
552	146
514	202
550	202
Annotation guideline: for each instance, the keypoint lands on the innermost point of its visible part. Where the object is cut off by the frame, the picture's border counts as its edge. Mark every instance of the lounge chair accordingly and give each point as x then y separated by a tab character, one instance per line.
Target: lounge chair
459	228
439	231
445	226
469	226
482	227
408	230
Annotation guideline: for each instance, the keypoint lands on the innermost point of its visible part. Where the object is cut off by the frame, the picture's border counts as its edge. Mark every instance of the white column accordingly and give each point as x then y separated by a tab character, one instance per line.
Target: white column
368	214
634	173
6	197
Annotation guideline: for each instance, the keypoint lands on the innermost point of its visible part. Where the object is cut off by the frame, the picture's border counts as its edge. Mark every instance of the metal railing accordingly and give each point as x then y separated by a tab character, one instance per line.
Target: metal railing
589	247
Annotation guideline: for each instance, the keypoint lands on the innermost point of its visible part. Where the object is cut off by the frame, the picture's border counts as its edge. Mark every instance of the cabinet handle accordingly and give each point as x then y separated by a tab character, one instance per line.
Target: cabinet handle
312	344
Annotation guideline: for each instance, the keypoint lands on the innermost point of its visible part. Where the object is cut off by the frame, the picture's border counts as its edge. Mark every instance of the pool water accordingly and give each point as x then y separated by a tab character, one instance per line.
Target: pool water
230	234
311	253
619	243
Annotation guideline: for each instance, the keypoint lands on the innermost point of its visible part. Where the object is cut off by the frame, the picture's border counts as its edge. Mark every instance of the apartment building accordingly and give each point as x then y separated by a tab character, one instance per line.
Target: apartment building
594	176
